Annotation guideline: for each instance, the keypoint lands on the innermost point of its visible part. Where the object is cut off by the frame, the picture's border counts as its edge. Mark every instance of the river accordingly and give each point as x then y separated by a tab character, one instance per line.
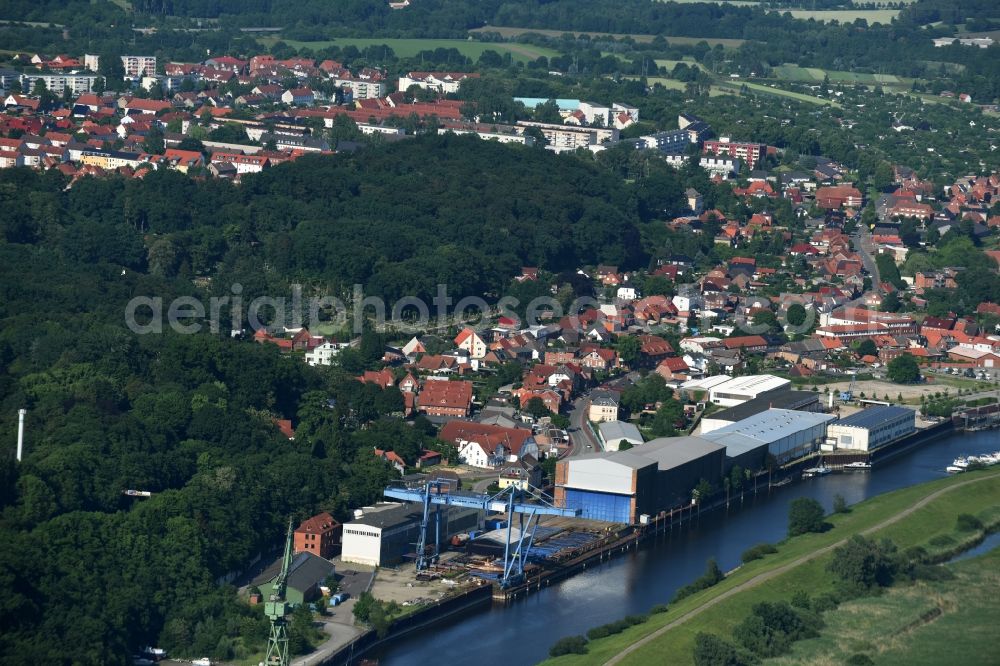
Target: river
631	584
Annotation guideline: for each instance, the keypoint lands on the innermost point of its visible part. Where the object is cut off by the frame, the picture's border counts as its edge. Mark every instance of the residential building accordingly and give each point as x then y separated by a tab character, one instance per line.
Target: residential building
488	446
445	398
138	66
563	137
603	406
442	82
319	535
839	196
59	84
749	153
471	342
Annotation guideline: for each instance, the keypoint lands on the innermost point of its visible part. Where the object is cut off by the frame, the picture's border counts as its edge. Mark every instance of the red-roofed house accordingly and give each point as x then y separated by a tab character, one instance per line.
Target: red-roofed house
486	445
444	398
319	535
470	341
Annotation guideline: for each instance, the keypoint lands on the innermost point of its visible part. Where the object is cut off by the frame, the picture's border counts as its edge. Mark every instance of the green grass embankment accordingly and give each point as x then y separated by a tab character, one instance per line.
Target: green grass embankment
910	516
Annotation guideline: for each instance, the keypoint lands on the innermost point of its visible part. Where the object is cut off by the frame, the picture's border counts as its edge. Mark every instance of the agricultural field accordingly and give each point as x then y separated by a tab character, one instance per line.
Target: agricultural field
407	48
884	16
789	72
674	84
642	39
735	86
826	15
670	64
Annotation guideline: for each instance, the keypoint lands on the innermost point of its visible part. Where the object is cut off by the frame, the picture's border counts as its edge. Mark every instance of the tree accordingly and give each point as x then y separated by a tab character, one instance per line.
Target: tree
154	143
712	650
796	314
867	347
840	504
891	302
536	407
569	645
624	445
629	350
903	370
862	564
805	515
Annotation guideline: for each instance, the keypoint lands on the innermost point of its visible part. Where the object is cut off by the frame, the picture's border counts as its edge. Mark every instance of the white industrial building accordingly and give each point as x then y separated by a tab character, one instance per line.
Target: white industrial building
741	389
787	434
613	433
871	428
800	401
384	534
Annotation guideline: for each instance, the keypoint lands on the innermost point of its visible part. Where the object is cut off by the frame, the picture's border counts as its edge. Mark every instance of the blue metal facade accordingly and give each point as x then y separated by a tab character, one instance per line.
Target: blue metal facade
600	506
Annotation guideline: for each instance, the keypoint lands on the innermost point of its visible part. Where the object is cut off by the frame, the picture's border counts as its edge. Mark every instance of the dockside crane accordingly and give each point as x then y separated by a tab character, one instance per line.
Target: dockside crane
277	610
525	503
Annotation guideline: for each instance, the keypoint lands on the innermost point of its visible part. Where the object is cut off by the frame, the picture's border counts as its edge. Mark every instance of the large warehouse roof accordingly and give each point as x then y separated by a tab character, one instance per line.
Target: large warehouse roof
784	400
705	382
670	452
629	458
772	425
664	452
873	416
737	444
751	383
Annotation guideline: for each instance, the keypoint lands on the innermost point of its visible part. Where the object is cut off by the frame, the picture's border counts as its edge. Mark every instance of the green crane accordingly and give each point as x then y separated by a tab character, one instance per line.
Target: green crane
277	610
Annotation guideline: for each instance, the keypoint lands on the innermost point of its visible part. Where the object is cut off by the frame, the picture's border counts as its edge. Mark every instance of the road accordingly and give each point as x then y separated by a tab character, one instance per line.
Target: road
866	248
581	438
773	573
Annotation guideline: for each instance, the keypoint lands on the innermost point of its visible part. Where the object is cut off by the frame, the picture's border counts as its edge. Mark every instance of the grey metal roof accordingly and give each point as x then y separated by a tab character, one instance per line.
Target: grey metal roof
873	416
614	431
784	400
737	444
390	517
306	570
630	458
772	425
670	452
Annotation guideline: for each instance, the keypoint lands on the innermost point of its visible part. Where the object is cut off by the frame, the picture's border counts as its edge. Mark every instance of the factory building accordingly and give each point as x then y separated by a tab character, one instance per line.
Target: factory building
742	389
871	428
786	434
800	401
621	486
383	535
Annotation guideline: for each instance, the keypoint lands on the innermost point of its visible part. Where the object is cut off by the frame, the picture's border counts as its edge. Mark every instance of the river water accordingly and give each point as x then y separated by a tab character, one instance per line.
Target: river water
632	583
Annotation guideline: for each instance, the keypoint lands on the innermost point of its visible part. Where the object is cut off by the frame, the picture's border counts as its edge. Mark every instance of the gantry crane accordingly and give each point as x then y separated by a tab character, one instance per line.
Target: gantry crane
277	610
528	504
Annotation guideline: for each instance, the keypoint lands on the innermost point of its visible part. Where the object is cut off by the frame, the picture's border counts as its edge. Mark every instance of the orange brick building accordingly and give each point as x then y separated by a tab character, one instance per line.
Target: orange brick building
319	535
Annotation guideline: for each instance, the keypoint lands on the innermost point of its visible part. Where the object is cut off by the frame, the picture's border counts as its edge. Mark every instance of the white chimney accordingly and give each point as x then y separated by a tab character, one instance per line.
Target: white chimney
20	432
831	400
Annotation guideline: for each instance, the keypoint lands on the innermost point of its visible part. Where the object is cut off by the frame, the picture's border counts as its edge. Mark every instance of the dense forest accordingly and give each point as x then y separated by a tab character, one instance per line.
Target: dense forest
190	417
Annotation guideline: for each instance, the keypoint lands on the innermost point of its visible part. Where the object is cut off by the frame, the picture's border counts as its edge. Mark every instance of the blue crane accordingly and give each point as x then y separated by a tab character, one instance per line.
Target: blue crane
528	504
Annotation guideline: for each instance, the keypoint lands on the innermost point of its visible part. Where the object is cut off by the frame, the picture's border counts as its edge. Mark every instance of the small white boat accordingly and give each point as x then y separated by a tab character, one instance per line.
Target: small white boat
816	471
860	464
954	469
